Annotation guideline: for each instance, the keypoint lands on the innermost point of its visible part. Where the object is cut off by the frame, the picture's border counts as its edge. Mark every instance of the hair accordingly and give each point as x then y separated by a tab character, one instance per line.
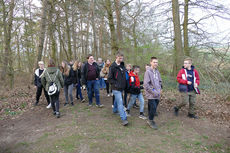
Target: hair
188	59
147	65
66	69
40	63
153	58
75	65
89	55
78	64
135	67
119	54
106	62
51	63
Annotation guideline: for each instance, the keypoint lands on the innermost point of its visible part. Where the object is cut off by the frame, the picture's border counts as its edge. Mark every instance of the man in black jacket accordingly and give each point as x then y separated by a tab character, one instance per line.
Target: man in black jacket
90	79
38	84
117	79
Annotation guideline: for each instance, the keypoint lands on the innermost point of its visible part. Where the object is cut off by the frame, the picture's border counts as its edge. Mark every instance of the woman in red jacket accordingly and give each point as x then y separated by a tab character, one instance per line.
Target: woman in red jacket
189	80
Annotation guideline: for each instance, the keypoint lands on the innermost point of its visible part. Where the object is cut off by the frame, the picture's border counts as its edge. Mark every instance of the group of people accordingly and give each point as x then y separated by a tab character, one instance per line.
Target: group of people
121	81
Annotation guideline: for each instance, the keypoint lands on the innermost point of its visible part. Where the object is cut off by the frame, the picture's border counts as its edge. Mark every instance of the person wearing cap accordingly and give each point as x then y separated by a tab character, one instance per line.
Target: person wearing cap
38	84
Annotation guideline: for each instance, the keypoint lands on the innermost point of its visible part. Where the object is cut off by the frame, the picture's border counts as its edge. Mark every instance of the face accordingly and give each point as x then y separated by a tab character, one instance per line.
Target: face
187	64
41	66
128	67
79	64
99	60
108	62
137	70
91	59
119	59
71	62
63	64
154	63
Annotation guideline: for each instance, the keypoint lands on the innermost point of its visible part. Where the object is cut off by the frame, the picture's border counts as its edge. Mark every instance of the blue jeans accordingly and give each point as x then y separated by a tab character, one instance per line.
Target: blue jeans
118	104
102	83
93	85
133	100
78	92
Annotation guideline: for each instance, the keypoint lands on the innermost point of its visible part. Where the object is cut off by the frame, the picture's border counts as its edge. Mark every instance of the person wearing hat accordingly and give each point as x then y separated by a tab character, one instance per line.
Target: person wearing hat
38	84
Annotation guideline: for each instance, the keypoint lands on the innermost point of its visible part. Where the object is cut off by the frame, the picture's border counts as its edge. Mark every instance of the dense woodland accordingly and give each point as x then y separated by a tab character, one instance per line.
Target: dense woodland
34	30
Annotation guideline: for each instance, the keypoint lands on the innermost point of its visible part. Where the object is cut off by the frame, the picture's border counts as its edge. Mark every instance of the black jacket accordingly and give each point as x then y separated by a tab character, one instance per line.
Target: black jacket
37	78
84	73
117	76
75	80
68	80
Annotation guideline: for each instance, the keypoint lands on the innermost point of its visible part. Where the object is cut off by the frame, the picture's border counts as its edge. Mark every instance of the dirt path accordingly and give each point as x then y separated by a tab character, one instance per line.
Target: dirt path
83	129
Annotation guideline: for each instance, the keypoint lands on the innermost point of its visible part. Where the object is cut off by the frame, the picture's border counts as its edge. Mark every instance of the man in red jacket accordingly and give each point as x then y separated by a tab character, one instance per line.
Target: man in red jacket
188	79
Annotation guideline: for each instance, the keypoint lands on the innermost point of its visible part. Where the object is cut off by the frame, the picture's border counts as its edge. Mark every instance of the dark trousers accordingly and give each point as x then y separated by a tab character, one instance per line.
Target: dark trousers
107	87
55	102
125	98
39	93
152	107
78	92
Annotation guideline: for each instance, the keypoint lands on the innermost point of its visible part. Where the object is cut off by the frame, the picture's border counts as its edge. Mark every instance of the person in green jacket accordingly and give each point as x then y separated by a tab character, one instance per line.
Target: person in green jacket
53	74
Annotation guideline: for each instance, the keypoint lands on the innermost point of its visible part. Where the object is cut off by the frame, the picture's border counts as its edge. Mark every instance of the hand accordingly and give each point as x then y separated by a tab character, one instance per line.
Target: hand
195	85
189	82
83	87
35	87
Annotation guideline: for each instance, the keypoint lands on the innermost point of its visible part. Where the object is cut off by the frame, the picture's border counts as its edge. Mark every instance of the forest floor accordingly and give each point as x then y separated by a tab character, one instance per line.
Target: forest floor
25	128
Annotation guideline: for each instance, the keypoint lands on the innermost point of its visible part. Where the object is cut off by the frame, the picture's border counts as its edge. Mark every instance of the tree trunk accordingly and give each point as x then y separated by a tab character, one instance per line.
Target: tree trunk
178	50
118	16
185	29
95	50
42	33
112	27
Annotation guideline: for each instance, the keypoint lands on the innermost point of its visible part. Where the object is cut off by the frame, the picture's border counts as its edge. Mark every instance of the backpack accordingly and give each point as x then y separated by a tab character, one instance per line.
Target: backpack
53	88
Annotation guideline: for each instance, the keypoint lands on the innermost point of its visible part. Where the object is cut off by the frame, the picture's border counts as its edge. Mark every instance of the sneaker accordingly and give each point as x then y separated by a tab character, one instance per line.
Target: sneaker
49	106
100	106
152	124
83	100
136	106
90	105
72	103
108	95
176	111
142	116
192	116
77	98
125	123
128	113
36	103
125	108
58	114
112	106
54	113
65	104
111	94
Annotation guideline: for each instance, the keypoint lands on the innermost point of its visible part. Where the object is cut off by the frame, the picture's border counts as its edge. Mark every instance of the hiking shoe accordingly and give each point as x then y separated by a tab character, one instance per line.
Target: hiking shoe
36	103
176	111
100	106
128	113
152	124
83	100
192	116
49	106
72	103
125	122
58	114
65	104
54	113
77	98
136	106
142	116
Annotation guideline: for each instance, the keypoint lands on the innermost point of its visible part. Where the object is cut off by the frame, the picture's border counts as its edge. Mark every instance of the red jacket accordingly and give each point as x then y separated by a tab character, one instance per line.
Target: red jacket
134	79
182	76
